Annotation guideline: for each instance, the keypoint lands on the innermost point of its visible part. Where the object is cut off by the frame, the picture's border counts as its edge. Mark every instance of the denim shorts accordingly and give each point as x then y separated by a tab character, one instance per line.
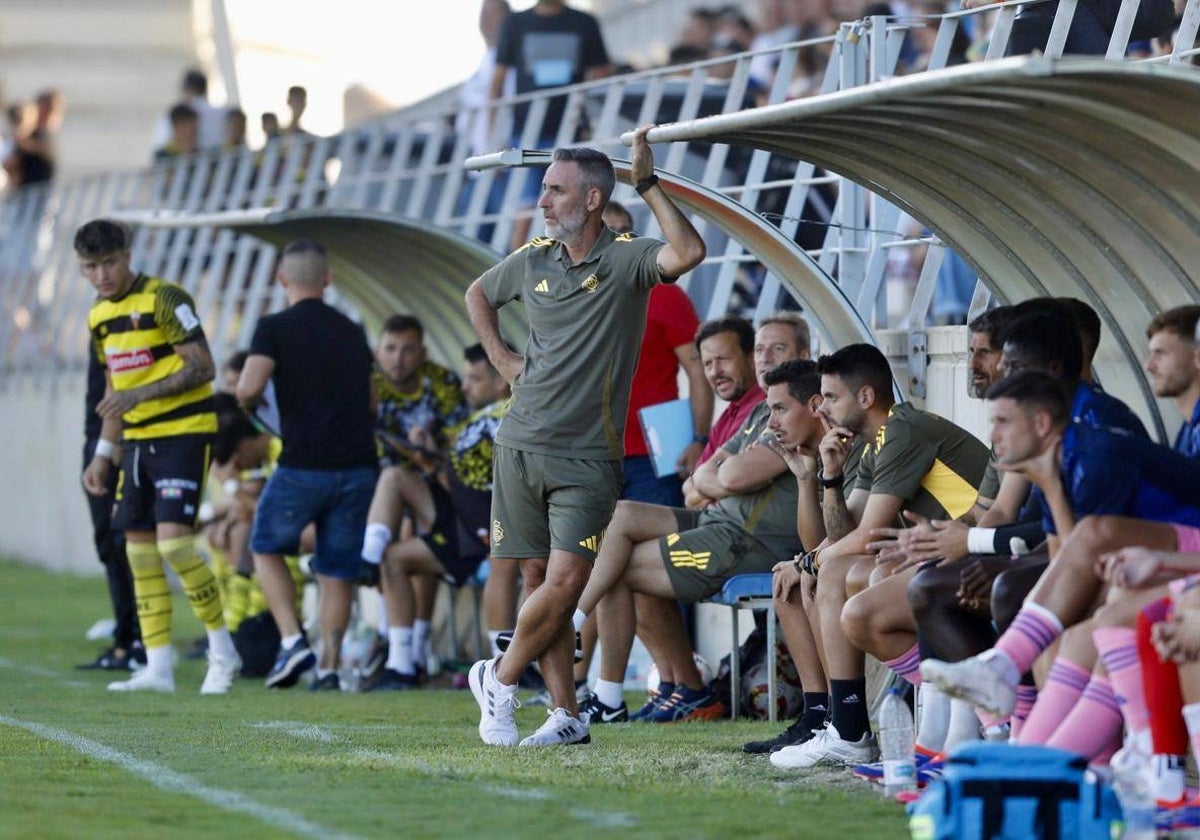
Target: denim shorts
335	501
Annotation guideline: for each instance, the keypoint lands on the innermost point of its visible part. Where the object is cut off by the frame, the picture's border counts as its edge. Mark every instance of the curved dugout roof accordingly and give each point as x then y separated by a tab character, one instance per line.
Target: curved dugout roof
1069	177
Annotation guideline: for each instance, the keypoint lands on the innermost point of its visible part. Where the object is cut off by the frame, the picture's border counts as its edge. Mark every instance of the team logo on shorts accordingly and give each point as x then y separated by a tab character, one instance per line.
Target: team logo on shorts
591	284
497	532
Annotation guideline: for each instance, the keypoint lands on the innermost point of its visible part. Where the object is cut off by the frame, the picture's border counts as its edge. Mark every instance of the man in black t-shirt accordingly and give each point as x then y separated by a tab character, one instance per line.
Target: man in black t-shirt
320	365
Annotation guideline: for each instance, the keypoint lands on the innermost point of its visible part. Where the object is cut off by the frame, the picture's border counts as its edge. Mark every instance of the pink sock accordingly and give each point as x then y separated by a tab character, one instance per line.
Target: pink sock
1033	630
907	665
1064	684
1094	722
1027	695
1119	652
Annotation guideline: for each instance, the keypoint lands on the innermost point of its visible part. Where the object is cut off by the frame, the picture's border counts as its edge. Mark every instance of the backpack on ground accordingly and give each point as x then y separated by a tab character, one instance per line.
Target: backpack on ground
994	791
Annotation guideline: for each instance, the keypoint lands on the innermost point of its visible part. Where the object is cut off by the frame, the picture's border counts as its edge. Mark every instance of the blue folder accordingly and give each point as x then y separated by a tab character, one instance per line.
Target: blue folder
668	430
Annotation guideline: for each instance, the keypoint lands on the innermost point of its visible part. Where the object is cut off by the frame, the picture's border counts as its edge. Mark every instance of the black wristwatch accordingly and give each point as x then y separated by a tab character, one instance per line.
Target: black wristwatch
826	483
646	183
702	439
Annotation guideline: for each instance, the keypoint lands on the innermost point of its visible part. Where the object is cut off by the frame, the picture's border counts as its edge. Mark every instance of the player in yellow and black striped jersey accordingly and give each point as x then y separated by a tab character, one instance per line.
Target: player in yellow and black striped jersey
158	409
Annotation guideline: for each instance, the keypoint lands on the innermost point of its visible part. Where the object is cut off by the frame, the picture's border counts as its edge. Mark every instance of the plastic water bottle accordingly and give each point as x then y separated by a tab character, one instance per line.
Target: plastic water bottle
1131	780
897	745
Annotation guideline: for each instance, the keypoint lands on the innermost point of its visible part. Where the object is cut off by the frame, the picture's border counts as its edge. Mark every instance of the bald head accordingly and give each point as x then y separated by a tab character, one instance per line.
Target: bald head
304	268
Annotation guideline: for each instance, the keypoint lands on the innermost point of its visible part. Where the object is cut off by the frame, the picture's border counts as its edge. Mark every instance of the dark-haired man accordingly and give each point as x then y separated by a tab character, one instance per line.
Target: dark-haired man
911	460
157	406
558	453
320	365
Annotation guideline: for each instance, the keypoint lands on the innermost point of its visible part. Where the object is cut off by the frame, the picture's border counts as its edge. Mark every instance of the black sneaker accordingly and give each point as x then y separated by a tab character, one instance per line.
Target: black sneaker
329	682
592	711
292	662
504	639
108	660
798	733
376	658
390	680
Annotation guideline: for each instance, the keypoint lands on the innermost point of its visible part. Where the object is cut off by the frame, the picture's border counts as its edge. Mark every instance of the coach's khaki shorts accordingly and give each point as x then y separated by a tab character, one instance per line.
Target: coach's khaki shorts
701	557
540	502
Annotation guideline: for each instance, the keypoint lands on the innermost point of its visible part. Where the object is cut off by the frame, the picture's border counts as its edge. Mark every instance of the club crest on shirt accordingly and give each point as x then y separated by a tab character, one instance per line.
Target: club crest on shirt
591	284
135	318
497	532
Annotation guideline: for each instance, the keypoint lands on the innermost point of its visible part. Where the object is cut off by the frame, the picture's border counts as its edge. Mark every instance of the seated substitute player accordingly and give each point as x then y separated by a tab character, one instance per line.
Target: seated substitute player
452	510
654	556
1096	483
158	406
417	401
912	460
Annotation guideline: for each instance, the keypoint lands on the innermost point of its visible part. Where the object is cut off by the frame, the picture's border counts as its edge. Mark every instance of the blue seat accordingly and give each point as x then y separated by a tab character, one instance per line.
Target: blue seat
749	592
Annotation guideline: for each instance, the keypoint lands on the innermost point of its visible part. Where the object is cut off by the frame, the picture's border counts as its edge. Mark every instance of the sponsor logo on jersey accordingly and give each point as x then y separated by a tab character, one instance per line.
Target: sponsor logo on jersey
130	360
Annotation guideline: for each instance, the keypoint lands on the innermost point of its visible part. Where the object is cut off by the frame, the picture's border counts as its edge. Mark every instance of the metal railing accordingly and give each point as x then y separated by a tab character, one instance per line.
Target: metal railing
410	163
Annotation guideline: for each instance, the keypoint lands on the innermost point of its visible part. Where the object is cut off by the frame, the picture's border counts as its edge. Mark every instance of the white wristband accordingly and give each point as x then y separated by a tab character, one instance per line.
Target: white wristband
981	540
105	449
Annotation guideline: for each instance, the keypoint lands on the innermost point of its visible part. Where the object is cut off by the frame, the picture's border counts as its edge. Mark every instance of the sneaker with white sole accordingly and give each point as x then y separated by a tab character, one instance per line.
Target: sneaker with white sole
593	711
827	749
985	681
146	680
559	729
221	671
496	705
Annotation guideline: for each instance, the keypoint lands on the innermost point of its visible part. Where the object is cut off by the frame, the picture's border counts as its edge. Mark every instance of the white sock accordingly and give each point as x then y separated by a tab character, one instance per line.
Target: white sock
964	724
609	693
492	636
420	641
375	542
221	643
158	659
578	619
1169	776
288	641
400	650
381	620
935	718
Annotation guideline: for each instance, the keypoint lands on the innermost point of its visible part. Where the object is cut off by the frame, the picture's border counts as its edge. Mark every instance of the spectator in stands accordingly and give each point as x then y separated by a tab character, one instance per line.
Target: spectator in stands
210	129
320	365
1031	29
654	555
126	649
269	121
35	150
157	407
235	130
297	102
20	124
185	123
910	459
417	403
548	46
451	510
617	218
699	29
557	463
785	21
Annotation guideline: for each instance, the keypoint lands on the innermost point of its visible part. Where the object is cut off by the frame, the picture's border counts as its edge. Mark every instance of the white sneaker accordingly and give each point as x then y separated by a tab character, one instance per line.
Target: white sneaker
496	705
146	680
985	681
221	671
559	728
827	748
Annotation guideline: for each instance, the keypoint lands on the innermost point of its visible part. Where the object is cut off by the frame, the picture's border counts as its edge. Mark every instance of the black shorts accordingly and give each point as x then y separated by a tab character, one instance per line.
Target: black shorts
161	481
459	551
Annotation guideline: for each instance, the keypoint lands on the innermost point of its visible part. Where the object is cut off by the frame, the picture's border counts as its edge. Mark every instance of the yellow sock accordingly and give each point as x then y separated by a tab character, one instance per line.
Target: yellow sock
152	592
237	600
197	578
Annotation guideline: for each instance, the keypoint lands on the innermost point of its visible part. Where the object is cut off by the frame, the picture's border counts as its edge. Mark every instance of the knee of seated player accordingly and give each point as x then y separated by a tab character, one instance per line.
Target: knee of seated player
831	581
646	574
858	619
932	587
1009	590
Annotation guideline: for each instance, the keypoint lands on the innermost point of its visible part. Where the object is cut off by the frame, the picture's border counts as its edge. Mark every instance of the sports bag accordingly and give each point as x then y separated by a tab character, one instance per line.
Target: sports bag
992	791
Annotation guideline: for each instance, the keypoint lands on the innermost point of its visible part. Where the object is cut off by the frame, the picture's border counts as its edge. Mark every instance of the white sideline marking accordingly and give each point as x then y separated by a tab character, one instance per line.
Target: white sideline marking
601	819
173	782
306	731
38	671
524	794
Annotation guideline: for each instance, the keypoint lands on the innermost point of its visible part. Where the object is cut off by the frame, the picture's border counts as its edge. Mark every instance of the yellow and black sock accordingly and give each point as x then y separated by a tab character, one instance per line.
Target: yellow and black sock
152	592
197	578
